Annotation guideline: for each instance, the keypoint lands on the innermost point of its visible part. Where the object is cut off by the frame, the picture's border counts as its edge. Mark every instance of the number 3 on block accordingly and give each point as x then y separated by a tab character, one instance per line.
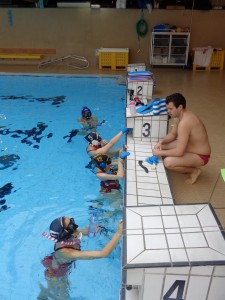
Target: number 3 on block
147	130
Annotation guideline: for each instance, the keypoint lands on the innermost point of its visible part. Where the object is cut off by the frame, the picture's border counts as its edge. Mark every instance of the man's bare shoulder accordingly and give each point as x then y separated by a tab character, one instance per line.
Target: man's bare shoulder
191	118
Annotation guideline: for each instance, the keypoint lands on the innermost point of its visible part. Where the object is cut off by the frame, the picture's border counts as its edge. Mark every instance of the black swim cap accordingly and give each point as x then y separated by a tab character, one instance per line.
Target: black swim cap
101	161
58	231
93	136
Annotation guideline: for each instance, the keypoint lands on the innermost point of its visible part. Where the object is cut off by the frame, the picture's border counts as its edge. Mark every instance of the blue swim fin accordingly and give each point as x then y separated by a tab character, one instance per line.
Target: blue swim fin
145	108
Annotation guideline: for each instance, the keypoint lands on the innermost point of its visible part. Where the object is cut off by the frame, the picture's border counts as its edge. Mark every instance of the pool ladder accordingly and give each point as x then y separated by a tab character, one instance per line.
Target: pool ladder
80	61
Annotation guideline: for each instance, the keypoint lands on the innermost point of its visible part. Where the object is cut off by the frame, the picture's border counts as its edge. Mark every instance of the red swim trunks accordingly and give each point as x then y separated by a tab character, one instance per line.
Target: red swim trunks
205	158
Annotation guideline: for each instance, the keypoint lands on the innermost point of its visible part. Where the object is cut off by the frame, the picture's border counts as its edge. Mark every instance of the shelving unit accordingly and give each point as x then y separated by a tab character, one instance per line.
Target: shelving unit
169	48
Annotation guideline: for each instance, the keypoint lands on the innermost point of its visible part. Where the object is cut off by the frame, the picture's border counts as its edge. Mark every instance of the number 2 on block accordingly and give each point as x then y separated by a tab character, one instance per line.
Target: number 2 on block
139	90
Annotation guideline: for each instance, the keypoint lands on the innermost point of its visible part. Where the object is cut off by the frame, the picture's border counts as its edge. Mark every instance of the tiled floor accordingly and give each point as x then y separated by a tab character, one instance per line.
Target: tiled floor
145	183
172	236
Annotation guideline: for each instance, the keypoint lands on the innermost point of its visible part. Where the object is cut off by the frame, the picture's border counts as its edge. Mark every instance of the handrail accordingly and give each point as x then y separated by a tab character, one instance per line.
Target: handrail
75	57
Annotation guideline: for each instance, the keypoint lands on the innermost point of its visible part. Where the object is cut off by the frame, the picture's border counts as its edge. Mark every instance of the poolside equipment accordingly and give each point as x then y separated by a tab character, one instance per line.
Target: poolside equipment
159	107
138	101
140	75
132	108
145	108
124	154
113	58
140	162
79	62
155	107
125	130
153	160
142	26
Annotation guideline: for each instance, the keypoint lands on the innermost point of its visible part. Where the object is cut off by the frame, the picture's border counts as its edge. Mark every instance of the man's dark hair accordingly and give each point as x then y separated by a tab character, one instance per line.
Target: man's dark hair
177	99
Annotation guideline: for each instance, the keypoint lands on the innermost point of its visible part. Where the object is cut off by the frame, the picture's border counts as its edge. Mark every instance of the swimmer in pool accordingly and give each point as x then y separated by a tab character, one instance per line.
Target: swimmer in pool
87	121
67	237
109	172
98	146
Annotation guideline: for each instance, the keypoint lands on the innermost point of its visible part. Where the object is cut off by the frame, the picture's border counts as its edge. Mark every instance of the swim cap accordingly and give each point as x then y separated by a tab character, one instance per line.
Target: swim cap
58	231
93	136
56	228
101	161
86	112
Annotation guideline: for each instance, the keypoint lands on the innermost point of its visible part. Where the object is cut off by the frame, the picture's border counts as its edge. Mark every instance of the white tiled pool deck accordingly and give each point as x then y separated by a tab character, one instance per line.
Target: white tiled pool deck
165	244
170	251
149	185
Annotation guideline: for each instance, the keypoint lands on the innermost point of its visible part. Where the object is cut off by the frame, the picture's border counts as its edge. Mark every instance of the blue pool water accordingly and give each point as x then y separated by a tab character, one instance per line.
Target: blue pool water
43	177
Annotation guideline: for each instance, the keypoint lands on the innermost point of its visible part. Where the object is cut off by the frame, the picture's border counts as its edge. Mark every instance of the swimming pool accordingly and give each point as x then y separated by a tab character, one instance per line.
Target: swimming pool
44	177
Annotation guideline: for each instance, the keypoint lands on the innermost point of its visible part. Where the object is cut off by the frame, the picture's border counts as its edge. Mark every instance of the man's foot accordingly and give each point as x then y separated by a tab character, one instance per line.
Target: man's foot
193	176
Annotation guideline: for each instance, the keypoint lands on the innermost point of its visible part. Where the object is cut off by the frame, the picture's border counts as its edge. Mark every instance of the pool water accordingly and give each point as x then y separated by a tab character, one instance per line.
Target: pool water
43	177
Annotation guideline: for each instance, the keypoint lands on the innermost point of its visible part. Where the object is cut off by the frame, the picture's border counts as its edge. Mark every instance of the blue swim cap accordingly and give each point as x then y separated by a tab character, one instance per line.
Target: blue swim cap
86	112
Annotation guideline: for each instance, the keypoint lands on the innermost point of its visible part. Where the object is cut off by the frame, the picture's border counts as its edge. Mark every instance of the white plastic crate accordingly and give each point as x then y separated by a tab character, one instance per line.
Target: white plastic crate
136	67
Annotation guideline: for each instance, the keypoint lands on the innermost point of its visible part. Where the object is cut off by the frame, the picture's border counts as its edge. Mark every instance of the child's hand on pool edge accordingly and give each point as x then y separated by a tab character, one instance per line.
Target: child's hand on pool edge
120	227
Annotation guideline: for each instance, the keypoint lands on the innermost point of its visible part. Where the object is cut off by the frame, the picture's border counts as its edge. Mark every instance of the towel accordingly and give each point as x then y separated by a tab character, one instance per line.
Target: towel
203	56
159	107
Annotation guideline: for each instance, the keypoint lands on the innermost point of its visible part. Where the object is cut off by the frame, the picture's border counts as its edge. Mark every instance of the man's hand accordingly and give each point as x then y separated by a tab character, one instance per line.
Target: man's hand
156	152
158	146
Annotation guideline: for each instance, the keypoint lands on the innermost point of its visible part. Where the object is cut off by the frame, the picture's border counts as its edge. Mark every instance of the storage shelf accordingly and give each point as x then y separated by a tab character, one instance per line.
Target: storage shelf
169	48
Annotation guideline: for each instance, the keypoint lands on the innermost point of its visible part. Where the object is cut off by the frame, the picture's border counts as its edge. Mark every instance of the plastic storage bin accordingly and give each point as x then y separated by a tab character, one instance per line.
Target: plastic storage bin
217	61
136	67
113	58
